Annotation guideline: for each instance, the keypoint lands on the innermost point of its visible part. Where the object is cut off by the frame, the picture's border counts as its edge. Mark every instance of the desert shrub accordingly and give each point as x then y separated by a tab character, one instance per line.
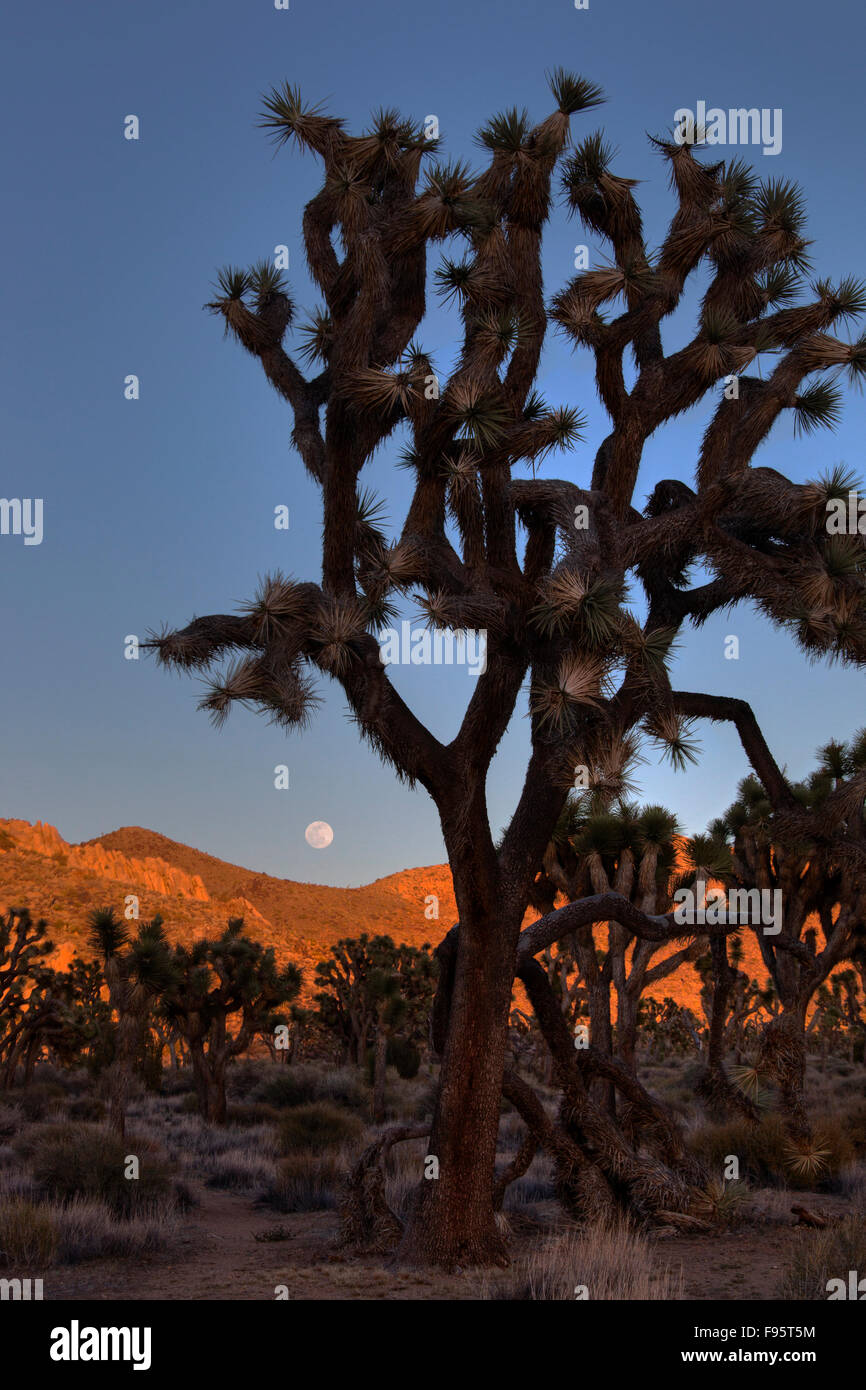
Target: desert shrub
243	1170
721	1203
317	1127
405	1057
613	1263
822	1162
184	1198
86	1108
854	1121
767	1155
306	1182
87	1229
244	1074
819	1256
10	1121
291	1086
27	1236
253	1113
70	1080
178	1083
78	1160
342	1086
36	1100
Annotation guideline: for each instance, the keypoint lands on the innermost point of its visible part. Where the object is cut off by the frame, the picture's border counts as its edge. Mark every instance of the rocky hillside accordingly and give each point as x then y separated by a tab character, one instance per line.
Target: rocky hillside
196	893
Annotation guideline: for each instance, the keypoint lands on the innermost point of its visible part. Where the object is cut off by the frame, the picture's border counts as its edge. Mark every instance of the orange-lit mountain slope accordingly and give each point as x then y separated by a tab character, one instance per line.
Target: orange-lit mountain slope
196	893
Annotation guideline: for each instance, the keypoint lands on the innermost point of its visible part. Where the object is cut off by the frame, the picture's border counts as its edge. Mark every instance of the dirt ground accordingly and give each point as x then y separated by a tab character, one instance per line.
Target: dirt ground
216	1256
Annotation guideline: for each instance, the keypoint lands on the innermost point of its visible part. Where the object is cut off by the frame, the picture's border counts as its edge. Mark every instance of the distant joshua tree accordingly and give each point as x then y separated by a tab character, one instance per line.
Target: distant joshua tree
221	994
621	848
811	850
552	600
377	996
136	971
23	945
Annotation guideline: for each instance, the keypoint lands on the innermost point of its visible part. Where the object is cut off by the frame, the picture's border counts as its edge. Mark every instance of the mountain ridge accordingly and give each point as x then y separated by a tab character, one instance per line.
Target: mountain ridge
195	893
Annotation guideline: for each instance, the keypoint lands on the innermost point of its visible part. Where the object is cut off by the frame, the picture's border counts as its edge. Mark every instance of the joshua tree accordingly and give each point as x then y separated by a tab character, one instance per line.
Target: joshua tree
212	982
23	946
376	995
812	851
299	1020
629	850
136	971
838	1017
553	604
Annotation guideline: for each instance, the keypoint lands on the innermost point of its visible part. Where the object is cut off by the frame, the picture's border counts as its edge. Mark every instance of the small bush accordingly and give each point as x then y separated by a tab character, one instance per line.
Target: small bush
178	1083
343	1087
405	1056
27	1236
253	1114
88	1161
854	1123
306	1182
766	1152
316	1128
88	1230
290	1087
10	1121
35	1101
86	1108
820	1256
241	1171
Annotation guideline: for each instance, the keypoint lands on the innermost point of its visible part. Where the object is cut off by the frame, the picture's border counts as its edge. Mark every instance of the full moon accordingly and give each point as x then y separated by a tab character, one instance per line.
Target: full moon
319	834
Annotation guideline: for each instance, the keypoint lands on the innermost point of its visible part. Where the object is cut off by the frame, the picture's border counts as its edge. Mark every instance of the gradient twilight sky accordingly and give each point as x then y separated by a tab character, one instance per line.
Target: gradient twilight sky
162	508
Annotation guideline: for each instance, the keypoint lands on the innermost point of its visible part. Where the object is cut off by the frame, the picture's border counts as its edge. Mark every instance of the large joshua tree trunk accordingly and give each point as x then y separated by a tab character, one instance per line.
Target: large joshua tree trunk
721	1097
210	1078
380	1059
453	1221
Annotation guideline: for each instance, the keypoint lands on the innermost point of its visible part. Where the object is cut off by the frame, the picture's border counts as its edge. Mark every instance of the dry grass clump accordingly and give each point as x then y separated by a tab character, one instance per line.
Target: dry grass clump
239	1170
35	1236
306	1182
27	1235
316	1128
607	1263
819	1256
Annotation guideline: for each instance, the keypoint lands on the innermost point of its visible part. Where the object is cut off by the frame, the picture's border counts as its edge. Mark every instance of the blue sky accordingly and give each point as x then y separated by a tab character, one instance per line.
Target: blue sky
160	508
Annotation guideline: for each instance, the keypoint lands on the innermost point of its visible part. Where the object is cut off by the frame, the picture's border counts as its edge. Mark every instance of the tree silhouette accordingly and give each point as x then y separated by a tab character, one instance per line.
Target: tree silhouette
811	850
136	971
23	946
213	982
376	996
